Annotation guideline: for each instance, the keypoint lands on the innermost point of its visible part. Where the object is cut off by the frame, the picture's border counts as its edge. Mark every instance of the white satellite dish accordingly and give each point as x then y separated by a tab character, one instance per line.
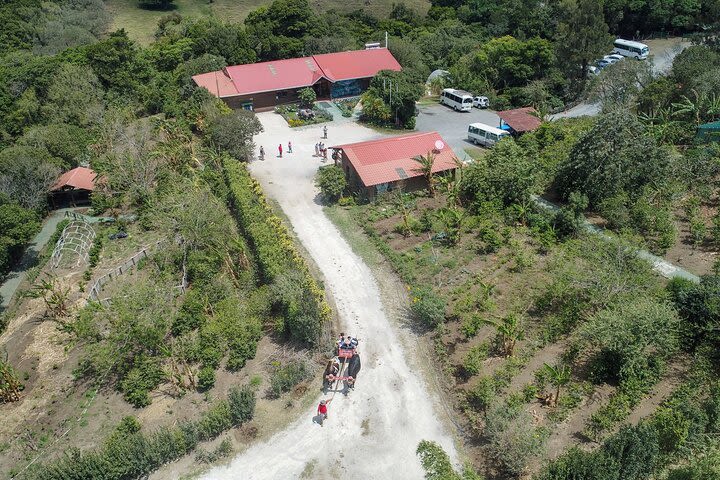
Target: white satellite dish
439	144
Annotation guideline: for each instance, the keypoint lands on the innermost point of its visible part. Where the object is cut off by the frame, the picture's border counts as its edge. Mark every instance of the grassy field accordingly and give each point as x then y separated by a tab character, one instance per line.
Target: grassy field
140	24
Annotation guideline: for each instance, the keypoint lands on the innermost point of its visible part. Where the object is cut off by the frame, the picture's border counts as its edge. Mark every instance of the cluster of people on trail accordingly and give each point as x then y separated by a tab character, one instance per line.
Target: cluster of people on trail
320	150
347	341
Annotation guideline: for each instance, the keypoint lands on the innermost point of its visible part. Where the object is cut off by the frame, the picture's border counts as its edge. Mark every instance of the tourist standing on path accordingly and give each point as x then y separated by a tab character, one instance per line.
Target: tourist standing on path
289	146
280	150
323	411
262	153
325	131
317	149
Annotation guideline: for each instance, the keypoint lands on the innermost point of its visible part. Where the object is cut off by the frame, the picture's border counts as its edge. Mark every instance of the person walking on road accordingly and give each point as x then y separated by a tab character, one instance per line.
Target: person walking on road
262	153
317	149
324	131
289	146
323	411
280	150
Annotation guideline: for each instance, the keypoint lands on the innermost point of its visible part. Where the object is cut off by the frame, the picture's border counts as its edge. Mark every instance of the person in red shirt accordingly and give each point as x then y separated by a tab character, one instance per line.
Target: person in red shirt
280	150
323	411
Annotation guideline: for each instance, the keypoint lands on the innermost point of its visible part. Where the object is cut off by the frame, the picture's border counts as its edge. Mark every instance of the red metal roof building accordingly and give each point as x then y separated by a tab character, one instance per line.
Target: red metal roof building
377	166
260	86
520	120
74	187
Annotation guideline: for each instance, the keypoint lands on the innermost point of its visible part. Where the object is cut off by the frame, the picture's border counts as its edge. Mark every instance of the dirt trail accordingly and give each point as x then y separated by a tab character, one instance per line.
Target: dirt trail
549	354
660	392
569	433
374	431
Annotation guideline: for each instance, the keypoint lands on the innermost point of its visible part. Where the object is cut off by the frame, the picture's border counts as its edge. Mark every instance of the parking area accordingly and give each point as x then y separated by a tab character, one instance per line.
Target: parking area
452	125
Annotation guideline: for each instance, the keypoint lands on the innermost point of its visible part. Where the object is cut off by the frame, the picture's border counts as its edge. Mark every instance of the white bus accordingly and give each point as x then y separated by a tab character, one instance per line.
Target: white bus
628	48
481	134
457	99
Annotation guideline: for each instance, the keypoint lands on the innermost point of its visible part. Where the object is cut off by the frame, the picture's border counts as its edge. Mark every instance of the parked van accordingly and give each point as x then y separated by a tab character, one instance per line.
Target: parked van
628	48
481	134
459	100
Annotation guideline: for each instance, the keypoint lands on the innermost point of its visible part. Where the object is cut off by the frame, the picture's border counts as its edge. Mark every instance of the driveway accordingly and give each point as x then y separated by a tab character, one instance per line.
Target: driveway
452	125
372	432
30	257
662	53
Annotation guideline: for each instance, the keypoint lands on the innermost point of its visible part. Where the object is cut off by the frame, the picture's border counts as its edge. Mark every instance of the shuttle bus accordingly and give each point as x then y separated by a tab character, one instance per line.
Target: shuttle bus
458	100
628	48
481	134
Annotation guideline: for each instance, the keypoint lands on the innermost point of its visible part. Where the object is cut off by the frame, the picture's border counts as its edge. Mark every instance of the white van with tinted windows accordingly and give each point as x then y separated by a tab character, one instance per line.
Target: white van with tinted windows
628	48
485	135
458	100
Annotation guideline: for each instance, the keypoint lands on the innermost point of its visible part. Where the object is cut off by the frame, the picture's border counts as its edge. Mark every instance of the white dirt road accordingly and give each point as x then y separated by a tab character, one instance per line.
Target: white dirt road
373	432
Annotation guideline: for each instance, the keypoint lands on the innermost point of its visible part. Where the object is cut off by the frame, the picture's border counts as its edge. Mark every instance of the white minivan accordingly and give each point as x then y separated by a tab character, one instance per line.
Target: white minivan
458	100
481	134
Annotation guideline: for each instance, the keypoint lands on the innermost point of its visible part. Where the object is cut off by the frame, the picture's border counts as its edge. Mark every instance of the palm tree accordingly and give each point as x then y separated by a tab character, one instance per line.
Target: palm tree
510	330
703	106
426	169
453	219
558	376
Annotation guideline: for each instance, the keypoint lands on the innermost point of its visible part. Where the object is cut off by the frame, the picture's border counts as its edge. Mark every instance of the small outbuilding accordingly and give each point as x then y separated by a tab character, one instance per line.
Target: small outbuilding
708	132
378	166
519	120
73	188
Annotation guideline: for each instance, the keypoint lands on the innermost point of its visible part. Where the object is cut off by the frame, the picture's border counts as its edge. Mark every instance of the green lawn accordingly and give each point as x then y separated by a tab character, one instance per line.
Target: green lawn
141	24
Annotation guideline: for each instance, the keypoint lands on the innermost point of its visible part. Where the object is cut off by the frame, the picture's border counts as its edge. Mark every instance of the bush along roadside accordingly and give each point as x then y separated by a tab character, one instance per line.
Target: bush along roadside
297	296
129	453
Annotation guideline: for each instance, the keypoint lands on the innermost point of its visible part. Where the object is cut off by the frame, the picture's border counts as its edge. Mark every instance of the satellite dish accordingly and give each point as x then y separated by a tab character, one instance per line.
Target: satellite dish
439	144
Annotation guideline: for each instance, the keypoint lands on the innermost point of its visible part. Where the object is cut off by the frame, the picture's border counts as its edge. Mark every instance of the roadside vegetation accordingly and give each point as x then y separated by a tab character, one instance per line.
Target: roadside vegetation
567	355
219	278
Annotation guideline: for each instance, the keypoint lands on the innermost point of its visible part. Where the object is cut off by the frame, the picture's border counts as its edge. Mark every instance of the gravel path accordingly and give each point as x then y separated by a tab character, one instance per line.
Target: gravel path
29	259
372	432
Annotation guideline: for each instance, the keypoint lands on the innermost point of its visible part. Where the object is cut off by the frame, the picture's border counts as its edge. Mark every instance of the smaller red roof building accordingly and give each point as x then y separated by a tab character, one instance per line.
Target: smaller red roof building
80	178
74	187
377	166
520	120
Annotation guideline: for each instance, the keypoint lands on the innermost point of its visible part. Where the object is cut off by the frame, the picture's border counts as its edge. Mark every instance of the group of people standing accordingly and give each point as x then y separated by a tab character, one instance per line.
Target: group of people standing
320	150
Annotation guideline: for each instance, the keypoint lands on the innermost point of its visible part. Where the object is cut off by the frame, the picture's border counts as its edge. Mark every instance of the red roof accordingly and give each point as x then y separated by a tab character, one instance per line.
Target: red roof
520	119
294	73
391	159
356	64
79	178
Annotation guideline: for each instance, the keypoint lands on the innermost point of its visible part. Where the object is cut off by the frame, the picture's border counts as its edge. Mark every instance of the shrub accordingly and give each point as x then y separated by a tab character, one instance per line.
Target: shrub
428	307
144	376
206	379
474	359
307	97
471	324
242	404
513	439
331	181
482	394
285	377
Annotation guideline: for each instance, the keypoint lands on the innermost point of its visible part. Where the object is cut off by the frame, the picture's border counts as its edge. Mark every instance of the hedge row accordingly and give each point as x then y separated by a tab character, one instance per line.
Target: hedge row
130	454
305	311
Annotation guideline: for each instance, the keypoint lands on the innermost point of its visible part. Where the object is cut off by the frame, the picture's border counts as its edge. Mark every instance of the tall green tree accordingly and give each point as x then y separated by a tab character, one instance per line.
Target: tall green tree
582	36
